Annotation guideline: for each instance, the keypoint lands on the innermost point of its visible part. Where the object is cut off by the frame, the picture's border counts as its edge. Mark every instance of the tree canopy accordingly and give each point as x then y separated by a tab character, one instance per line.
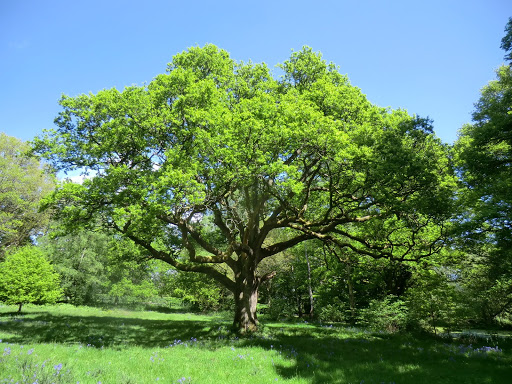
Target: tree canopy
506	41
23	183
204	163
483	154
26	276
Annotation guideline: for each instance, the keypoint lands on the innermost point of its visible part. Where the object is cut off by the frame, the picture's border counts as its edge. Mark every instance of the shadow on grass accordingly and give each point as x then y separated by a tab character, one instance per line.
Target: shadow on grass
322	356
106	331
314	353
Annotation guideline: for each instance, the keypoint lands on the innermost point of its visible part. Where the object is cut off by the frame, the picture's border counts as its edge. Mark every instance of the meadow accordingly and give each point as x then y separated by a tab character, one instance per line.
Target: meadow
66	344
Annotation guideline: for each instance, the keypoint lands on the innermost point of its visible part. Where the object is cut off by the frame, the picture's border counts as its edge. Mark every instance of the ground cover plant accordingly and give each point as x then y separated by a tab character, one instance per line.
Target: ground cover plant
65	344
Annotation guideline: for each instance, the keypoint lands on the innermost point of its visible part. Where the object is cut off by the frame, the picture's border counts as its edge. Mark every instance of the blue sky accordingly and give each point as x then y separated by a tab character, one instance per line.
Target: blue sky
428	57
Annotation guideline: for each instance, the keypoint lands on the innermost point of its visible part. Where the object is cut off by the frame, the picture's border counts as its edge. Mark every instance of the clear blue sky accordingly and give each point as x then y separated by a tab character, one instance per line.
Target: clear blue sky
428	57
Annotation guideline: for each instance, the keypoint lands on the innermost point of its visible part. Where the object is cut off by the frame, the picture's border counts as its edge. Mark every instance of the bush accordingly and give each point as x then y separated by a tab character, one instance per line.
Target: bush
335	312
281	308
389	314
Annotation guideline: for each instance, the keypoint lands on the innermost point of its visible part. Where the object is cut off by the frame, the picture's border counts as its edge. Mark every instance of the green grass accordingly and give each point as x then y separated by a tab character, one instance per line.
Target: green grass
64	344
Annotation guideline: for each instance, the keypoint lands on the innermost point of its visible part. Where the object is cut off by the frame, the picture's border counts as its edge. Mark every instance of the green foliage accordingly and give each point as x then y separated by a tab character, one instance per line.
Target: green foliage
98	268
125	291
496	301
281	308
129	273
487	294
484	148
483	155
200	166
334	311
80	259
288	294
506	41
26	276
389	314
348	283
281	293
434	301
198	291
23	183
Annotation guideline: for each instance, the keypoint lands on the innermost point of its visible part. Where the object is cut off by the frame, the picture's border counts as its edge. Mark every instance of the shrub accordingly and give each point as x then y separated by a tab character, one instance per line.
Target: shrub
281	308
389	314
334	312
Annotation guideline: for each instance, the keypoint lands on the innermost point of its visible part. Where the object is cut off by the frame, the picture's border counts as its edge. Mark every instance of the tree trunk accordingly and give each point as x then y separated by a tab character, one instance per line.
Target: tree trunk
246	301
19	308
351	297
310	288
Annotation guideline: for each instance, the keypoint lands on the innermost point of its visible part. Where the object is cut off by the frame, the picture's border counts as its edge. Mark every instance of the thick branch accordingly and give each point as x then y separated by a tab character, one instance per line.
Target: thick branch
218	255
267	276
172	260
281	246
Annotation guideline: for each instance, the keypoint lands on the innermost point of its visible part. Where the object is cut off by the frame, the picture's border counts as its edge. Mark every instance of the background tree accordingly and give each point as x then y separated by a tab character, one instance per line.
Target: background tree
23	183
99	268
26	276
483	153
349	283
506	41
81	260
197	291
129	273
434	301
487	289
290	293
204	163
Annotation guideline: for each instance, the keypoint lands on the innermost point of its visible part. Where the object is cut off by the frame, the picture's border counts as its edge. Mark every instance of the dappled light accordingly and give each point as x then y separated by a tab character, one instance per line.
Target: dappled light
293	352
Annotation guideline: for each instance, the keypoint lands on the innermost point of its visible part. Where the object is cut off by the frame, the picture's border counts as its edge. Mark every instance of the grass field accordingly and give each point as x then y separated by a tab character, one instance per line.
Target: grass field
64	344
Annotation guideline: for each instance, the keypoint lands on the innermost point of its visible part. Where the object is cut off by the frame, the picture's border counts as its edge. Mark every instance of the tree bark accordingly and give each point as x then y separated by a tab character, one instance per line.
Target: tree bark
310	288
246	301
351	297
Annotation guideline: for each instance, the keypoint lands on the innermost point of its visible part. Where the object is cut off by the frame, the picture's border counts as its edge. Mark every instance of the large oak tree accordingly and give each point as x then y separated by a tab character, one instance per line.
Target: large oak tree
201	166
